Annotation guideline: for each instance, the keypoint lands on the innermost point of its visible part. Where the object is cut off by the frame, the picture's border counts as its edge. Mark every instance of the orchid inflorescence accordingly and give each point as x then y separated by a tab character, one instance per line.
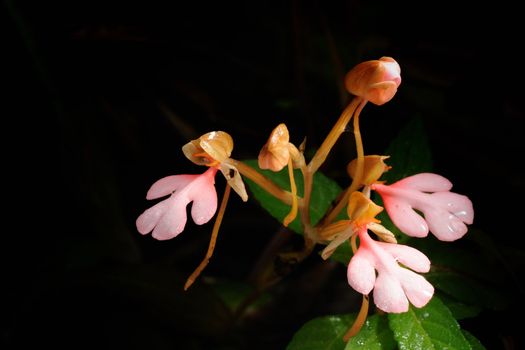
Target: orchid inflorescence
417	204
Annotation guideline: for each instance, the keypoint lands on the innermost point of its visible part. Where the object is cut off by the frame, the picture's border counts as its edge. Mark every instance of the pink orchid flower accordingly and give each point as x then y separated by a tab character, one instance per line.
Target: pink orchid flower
168	218
394	285
445	213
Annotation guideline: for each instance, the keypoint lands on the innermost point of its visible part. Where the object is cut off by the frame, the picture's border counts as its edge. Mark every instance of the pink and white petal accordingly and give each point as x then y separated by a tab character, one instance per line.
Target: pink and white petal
388	294
361	273
417	289
168	184
204	203
149	219
404	217
445	226
408	256
425	182
457	204
173	221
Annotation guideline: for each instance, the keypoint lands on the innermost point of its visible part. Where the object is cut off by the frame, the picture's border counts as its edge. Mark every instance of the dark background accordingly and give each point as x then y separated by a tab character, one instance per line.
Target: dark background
101	97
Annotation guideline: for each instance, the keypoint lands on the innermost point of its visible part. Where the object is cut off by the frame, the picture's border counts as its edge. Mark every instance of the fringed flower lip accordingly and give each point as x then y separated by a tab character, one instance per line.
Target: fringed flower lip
446	214
167	219
394	286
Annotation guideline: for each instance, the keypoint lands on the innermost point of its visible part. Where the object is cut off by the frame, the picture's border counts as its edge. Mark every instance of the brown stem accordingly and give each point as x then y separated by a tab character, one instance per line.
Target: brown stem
305	205
261	180
359	321
213	240
356	181
293	211
339	127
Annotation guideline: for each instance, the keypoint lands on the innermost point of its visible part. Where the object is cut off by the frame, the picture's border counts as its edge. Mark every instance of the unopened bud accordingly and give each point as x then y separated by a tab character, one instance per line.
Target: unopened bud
376	81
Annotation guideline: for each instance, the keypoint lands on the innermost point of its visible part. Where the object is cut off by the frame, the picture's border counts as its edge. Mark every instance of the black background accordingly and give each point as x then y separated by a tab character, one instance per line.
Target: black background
101	96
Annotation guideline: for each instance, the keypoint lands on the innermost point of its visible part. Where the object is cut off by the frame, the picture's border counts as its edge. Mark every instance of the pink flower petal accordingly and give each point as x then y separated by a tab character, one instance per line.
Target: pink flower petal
407	256
446	213
168	218
445	226
418	290
173	221
394	285
361	274
168	185
457	204
204	199
147	220
388	294
404	217
424	182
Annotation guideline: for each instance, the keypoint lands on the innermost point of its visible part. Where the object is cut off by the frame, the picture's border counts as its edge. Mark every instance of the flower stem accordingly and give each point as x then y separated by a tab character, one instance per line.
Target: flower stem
356	181
339	127
261	180
359	321
293	211
305	205
213	239
318	159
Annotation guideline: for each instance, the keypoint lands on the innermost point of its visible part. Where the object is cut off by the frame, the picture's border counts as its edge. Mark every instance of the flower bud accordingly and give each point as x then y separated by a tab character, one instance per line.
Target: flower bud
376	81
374	167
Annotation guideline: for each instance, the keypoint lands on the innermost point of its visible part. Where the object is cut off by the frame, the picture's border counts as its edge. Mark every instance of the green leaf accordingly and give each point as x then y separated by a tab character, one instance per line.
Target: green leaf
409	152
234	293
324	192
459	309
468	290
466	272
474	342
375	335
326	333
323	333
430	327
343	253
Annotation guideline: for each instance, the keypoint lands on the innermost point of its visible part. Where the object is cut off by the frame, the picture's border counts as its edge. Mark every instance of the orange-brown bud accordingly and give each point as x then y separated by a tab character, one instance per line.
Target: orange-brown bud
374	167
376	81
